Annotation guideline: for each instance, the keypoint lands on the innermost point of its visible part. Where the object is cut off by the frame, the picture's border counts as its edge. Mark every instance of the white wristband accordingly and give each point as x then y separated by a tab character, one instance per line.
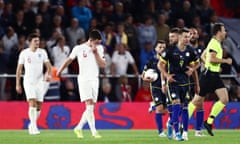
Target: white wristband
163	82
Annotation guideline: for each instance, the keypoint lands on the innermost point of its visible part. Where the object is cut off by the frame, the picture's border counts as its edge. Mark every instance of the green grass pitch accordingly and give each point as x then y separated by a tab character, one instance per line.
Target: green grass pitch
113	137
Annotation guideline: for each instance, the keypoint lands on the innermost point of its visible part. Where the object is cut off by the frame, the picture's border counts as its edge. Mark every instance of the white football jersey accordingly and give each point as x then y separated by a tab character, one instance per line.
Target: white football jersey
88	66
33	64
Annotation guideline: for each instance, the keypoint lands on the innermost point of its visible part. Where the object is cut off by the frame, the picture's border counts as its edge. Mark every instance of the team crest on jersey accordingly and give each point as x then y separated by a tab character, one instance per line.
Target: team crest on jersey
187	54
199	51
163	54
39	55
84	54
173	95
29	60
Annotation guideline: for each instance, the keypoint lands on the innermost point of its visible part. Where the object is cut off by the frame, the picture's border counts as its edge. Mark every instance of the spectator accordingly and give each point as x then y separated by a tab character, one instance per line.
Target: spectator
108	36
60	53
98	10
7	17
143	93
83	14
74	32
10	39
120	60
19	26
57	24
39	24
118	15
121	36
131	31
43	10
147	37
123	90
59	11
161	27
29	16
107	93
52	41
69	91
3	70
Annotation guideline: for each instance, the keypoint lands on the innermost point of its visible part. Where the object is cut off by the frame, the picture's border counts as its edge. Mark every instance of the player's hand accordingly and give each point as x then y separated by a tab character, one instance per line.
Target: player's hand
228	61
148	79
94	49
48	78
19	89
58	73
190	71
170	78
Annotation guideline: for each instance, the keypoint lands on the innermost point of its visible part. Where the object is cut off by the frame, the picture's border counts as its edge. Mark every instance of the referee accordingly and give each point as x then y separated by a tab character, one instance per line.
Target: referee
210	81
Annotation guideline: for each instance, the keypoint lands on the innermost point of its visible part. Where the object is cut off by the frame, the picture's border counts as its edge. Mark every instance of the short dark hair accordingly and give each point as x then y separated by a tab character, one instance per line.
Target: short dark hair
183	30
161	42
174	30
95	35
217	27
32	35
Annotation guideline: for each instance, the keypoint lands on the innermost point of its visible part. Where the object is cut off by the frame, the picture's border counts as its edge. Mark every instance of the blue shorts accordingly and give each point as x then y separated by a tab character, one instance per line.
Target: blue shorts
178	92
158	96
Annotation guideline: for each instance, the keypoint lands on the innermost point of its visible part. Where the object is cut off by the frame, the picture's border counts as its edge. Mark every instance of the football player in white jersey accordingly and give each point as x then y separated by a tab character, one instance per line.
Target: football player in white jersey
90	57
34	81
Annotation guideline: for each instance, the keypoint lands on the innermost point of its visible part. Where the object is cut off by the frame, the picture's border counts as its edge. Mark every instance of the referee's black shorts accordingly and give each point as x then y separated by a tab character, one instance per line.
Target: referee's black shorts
209	82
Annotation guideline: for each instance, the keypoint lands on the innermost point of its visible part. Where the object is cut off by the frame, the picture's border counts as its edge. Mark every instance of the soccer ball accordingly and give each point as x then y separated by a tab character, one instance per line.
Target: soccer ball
152	74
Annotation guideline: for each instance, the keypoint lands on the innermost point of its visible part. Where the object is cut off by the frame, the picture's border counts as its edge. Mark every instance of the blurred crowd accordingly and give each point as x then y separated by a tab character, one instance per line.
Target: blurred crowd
130	28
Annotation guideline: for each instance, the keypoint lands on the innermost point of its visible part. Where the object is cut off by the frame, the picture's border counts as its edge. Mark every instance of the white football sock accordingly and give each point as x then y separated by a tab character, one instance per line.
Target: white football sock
91	118
82	122
38	113
32	113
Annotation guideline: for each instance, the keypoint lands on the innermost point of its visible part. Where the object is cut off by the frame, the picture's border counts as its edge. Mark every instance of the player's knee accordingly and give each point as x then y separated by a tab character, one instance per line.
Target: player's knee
224	100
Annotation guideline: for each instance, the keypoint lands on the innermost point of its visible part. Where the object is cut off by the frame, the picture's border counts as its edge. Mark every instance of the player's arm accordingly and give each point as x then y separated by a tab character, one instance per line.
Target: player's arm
162	67
100	59
213	58
64	65
193	67
146	79
134	66
146	67
203	56
18	78
164	84
195	76
48	75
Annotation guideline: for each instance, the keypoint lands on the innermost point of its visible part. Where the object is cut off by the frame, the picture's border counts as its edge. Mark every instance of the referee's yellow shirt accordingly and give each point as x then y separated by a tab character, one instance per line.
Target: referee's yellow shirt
215	46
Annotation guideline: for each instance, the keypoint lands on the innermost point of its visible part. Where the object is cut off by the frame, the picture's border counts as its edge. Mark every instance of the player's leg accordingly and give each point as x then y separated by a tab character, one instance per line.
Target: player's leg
31	95
159	98
217	108
197	103
159	121
222	94
84	91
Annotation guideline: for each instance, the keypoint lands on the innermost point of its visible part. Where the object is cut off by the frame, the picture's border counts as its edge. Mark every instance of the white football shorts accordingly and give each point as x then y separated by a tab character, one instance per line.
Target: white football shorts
36	91
88	90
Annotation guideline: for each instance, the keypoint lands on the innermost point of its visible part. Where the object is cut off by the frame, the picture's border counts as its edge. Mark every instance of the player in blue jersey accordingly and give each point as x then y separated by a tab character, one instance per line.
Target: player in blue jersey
194	87
172	41
159	98
177	64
